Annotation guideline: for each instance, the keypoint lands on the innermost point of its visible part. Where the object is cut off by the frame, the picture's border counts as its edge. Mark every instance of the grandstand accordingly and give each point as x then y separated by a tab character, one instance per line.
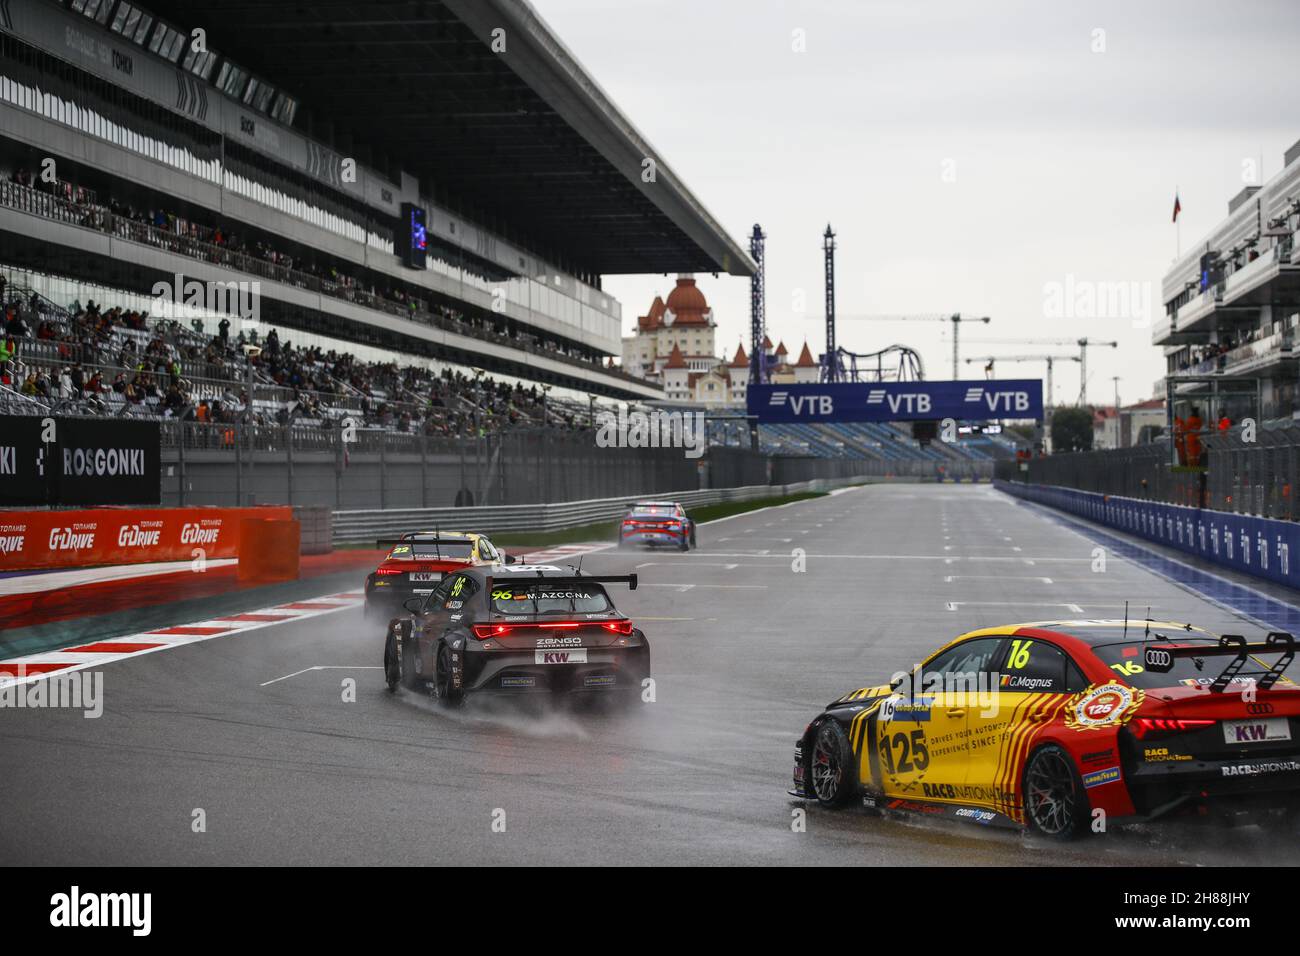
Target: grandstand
425	274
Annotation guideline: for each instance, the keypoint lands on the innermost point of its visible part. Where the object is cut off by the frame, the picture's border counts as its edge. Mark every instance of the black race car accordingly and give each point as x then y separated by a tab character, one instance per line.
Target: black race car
657	524
517	629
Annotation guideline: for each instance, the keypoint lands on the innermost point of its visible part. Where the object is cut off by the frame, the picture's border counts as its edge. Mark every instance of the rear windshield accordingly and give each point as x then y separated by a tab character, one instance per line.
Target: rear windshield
1126	661
428	551
541	598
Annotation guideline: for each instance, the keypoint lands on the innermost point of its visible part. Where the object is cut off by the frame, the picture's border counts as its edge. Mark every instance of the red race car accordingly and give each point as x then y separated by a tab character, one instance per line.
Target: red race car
1065	726
416	563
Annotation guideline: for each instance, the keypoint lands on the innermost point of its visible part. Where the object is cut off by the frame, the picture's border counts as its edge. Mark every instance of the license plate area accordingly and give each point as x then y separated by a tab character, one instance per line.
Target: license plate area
560	655
1262	730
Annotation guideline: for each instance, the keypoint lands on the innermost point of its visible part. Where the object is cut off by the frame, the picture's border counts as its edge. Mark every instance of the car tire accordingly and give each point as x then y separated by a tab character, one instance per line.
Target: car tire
1055	801
830	765
448	695
693	544
392	664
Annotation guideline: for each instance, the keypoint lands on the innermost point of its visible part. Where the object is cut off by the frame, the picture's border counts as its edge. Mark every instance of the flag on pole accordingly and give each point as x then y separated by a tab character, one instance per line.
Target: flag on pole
1178	207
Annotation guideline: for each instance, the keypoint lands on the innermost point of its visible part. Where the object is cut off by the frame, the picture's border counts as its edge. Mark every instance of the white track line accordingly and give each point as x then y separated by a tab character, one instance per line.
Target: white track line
172	636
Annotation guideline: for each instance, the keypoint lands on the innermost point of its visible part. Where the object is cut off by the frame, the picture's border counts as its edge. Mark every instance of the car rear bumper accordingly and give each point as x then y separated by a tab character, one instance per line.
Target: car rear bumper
665	537
518	672
1166	787
387	600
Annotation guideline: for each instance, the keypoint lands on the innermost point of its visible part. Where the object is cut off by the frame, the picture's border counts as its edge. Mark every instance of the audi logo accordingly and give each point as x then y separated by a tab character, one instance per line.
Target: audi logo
1259	708
1159	659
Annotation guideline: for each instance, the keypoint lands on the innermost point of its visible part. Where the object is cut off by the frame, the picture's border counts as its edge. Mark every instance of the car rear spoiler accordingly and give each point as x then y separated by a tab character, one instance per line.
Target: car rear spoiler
1160	658
628	579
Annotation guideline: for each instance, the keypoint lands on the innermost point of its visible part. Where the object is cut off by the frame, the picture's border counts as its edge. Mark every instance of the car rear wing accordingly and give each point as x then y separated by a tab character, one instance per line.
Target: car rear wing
1160	658
524	578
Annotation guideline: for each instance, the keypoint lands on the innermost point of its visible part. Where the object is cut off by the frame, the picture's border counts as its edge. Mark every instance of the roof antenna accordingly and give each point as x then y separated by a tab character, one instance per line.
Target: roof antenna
580	557
1126	620
1146	635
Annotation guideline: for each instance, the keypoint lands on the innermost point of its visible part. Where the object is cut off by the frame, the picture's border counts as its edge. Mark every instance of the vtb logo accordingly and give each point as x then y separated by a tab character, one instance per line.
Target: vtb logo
1006	401
804	404
911	402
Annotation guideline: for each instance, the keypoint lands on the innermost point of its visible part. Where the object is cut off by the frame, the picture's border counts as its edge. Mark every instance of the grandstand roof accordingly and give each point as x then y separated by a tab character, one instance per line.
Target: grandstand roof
523	137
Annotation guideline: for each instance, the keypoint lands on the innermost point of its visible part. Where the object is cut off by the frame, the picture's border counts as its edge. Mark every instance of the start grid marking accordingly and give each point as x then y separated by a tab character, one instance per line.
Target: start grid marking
46	663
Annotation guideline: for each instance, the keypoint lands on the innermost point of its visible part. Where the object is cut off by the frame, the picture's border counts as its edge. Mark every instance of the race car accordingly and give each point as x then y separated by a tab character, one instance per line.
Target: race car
658	524
1062	727
517	629
417	561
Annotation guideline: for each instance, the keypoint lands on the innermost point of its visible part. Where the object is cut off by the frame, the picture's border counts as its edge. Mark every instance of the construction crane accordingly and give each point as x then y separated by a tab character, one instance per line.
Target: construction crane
1049	359
1083	344
956	318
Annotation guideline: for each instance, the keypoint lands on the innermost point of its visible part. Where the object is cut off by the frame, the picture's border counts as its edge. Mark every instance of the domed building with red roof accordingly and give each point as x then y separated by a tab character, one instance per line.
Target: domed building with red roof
674	345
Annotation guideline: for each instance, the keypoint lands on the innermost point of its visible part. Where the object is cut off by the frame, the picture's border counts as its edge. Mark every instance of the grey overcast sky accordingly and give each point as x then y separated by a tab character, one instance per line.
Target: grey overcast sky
967	153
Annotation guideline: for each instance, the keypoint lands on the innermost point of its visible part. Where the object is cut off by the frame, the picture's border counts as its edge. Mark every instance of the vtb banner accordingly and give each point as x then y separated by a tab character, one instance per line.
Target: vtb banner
78	539
978	400
79	461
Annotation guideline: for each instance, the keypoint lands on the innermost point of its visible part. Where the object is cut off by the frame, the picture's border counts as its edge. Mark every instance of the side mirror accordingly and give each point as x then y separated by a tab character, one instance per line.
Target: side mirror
511	559
413	604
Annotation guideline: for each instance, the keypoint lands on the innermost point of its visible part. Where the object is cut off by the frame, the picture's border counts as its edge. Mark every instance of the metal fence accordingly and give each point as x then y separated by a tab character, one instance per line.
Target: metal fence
1257	477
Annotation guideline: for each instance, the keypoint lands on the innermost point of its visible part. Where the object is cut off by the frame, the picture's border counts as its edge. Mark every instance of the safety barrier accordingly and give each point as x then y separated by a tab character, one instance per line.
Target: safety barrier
1257	546
65	539
354	527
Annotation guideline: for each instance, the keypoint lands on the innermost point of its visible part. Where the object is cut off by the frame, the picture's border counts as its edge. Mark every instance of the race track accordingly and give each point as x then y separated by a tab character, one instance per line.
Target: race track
745	651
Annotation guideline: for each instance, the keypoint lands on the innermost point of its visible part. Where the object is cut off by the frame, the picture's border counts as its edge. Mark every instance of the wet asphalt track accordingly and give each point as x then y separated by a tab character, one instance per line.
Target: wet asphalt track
744	653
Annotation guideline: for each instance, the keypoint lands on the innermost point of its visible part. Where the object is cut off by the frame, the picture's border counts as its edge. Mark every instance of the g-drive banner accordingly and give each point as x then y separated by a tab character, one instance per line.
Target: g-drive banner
978	400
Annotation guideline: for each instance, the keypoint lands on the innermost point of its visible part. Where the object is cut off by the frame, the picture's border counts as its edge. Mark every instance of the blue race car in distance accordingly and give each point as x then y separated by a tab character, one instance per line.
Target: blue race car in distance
657	524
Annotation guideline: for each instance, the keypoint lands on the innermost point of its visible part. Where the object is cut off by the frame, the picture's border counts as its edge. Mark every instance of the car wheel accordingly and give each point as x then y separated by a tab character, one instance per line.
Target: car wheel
392	664
1055	802
693	544
831	765
449	695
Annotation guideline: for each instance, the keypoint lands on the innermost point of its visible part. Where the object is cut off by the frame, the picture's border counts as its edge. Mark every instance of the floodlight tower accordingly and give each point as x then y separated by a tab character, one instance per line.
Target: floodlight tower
828	247
757	309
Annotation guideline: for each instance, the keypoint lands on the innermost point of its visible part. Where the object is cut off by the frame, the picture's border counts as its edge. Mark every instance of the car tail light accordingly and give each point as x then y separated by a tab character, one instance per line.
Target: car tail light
618	627
1143	727
485	631
388	571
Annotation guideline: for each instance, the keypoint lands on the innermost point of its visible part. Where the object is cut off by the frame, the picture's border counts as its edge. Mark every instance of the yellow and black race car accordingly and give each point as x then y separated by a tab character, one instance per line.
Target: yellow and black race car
1065	726
417	561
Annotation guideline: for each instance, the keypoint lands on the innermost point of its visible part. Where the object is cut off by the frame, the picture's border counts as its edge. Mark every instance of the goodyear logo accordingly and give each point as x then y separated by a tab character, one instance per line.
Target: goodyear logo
1099	777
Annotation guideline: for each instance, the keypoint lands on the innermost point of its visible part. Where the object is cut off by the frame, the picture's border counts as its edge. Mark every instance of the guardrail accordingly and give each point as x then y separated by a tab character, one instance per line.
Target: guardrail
355	527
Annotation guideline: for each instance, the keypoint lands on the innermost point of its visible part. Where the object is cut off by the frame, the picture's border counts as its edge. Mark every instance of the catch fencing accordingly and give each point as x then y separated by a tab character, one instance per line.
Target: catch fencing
1256	477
